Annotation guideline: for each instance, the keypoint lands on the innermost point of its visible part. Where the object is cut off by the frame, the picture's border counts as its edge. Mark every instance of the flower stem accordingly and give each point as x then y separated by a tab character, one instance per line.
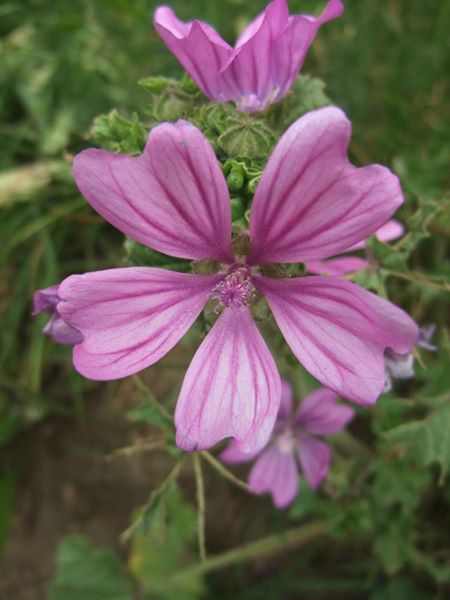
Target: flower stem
267	546
200	506
218	466
143	388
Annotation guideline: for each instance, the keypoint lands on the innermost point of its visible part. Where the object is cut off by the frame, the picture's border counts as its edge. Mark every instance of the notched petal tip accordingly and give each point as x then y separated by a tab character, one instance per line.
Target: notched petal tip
231	389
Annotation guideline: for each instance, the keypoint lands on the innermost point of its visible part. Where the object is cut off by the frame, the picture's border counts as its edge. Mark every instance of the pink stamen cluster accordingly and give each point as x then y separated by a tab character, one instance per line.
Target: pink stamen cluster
235	290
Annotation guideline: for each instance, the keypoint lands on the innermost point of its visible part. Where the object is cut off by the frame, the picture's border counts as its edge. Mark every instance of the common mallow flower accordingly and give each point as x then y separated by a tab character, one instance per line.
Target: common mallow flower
46	300
264	62
310	203
344	265
294	446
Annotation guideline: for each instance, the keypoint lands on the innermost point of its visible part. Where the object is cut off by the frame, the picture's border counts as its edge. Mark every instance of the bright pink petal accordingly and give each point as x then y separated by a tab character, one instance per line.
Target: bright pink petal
232	387
311	203
173	198
234	455
277	473
321	414
197	46
269	55
339	331
315	459
338	267
131	317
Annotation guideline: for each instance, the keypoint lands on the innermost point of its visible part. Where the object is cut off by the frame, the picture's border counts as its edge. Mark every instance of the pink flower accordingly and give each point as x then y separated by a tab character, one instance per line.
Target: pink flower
344	265
262	66
46	300
310	203
294	446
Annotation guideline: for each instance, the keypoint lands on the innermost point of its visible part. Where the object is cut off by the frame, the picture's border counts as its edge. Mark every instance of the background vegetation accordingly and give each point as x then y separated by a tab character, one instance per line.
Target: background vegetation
78	459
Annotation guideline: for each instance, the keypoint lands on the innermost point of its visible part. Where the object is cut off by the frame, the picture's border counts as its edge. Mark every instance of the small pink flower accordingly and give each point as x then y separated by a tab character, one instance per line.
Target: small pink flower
344	265
294	446
46	300
310	203
262	66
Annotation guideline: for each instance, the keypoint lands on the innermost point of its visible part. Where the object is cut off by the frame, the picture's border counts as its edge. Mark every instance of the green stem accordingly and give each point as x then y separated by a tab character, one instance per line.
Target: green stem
200	506
418	278
267	546
151	398
218	466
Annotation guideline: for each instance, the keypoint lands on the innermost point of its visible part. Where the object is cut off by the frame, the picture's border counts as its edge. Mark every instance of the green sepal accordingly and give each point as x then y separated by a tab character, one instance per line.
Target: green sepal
118	134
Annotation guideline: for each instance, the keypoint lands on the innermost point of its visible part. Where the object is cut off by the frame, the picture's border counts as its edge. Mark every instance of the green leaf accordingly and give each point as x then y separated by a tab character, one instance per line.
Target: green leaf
142	256
165	549
84	572
427	440
307	94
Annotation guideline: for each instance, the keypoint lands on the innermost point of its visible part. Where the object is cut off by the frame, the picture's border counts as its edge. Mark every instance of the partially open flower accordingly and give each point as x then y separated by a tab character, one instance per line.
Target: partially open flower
264	62
46	300
294	446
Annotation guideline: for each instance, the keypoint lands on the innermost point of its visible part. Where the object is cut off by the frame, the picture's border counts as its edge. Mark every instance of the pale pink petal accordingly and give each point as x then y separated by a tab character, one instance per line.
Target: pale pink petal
391	231
173	198
276	473
232	387
320	413
197	46
315	459
338	267
339	331
234	455
130	318
287	401
269	55
311	203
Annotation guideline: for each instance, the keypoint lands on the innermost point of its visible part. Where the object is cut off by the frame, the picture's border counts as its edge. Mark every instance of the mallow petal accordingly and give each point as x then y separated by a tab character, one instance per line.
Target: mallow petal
321	414
234	455
287	401
311	203
173	198
315	459
339	331
197	46
275	472
61	332
45	300
390	231
338	267
131	317
269	54
231	389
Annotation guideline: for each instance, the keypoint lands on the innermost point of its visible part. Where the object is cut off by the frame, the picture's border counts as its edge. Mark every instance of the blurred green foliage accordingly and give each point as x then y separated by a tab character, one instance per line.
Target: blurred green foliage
65	63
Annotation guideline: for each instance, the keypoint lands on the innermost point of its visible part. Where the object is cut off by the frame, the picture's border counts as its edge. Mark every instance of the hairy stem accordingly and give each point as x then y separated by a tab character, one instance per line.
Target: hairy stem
218	466
200	506
267	546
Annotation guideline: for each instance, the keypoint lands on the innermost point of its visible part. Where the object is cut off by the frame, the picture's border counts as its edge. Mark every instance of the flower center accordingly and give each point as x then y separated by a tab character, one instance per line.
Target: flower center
286	442
236	289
